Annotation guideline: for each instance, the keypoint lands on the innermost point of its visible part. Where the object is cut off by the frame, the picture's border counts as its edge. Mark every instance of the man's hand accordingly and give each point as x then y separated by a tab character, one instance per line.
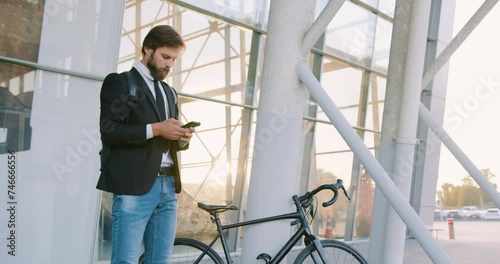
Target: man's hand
171	129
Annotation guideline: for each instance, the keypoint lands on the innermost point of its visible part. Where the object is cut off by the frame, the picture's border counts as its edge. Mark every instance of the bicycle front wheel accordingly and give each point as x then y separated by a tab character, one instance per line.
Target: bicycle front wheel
189	251
336	251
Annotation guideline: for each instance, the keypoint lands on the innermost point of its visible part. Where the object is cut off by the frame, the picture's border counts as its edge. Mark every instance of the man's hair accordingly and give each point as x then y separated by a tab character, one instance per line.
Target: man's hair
161	36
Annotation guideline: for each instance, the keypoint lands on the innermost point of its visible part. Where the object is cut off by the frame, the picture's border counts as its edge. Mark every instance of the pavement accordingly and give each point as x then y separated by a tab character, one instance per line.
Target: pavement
475	242
460	252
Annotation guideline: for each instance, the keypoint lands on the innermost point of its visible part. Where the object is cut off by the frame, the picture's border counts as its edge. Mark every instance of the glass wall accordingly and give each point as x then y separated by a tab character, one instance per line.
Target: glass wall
19	39
53	56
250	13
217	79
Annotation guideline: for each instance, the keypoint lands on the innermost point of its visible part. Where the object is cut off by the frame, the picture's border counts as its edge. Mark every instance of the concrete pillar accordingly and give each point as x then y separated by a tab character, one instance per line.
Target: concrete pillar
399	130
277	148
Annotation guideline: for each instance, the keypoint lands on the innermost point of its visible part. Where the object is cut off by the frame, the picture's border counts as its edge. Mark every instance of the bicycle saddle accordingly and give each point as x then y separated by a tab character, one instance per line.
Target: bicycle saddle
216	208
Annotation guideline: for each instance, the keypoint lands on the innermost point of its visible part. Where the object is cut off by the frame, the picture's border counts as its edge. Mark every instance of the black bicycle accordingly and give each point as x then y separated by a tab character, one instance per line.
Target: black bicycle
187	250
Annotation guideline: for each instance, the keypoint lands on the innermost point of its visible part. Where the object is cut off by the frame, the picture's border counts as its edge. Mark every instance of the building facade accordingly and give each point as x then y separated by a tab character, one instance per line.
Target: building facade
55	54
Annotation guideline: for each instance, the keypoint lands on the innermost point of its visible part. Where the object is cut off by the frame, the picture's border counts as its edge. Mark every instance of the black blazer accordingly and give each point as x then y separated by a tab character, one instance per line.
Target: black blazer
132	164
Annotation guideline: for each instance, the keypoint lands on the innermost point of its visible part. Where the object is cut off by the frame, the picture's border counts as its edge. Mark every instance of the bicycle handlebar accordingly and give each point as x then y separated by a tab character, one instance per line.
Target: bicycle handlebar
306	200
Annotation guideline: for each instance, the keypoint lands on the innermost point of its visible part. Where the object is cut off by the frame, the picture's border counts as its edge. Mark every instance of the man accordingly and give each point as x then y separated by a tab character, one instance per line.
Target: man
142	137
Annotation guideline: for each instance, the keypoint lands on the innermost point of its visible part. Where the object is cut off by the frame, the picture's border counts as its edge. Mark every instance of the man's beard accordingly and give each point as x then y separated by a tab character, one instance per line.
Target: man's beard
156	73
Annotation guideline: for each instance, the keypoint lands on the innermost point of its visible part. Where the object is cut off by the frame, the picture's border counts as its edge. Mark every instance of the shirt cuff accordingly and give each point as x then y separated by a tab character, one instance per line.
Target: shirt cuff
149	131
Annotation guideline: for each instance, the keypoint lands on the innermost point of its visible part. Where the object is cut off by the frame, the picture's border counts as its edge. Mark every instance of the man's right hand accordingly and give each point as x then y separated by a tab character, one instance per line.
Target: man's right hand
170	129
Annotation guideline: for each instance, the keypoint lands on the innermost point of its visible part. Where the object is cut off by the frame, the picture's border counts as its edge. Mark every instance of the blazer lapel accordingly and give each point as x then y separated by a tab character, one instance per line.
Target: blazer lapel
170	99
145	88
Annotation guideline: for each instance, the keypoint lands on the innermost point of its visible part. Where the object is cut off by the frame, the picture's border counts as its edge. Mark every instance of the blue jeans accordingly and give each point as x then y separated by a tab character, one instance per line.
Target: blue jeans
149	218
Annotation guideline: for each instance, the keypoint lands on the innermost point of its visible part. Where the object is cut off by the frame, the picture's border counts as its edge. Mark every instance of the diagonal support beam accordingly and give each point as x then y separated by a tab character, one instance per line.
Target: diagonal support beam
468	165
457	41
320	24
377	172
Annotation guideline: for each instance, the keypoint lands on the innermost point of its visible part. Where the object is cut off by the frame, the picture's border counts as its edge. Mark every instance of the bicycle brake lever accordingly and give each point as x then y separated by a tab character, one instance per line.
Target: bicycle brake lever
345	193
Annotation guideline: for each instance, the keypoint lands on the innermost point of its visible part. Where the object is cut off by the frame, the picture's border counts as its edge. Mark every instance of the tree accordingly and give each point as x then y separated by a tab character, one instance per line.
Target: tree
450	195
468	193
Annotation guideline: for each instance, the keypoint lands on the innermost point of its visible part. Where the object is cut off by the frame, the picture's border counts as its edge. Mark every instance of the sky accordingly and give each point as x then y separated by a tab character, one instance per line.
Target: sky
473	97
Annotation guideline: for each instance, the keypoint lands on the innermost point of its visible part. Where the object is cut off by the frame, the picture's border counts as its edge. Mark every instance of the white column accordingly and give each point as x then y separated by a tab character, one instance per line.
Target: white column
277	148
406	65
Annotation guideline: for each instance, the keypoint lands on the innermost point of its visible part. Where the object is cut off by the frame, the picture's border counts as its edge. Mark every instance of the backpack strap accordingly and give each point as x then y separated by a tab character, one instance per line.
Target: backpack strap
132	90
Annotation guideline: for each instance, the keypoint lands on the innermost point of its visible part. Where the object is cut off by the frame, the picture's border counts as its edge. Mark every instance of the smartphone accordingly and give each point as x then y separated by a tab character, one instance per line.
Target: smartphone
191	124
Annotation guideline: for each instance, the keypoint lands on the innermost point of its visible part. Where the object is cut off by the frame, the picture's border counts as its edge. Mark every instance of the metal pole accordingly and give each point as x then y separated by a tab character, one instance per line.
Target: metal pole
451	228
381	178
468	165
455	43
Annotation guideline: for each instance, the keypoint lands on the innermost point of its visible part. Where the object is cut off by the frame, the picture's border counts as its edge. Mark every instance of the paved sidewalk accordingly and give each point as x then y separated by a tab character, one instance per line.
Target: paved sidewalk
460	252
476	242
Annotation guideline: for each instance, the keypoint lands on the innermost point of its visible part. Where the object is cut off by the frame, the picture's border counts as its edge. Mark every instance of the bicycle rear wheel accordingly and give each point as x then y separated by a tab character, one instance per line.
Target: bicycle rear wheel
337	252
187	250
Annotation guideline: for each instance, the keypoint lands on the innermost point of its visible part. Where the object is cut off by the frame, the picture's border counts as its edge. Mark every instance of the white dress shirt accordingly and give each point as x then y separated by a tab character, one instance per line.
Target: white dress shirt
146	75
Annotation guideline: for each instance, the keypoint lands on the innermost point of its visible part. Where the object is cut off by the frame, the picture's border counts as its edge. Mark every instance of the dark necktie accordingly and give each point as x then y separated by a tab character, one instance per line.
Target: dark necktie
160	102
161	106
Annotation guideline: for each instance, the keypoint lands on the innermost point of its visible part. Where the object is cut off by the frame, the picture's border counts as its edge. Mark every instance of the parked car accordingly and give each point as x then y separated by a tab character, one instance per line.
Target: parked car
453	214
492	214
476	215
467	211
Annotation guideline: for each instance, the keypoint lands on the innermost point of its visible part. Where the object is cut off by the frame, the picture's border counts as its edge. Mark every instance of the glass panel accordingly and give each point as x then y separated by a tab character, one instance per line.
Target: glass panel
20	29
333	162
366	191
209	167
387	6
205	164
372	3
62	168
215	62
342	84
252	13
214	66
382	45
16	96
350	34
62	164
336	163
375	108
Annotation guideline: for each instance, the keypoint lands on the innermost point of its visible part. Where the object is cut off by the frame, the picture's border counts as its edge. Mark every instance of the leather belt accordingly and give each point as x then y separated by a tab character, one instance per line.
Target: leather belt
166	171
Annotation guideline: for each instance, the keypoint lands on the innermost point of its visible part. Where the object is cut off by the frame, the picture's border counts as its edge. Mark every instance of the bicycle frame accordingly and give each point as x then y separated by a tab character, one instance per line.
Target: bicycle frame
304	230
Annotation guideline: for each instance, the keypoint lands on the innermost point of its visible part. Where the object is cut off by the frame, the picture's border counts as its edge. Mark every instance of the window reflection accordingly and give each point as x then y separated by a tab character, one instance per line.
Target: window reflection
19	39
21	23
351	33
15	113
331	167
382	45
253	13
387	6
